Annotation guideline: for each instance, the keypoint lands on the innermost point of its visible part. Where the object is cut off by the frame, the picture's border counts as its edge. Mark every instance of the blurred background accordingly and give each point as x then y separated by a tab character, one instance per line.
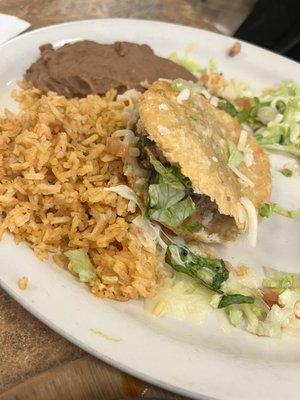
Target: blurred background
273	24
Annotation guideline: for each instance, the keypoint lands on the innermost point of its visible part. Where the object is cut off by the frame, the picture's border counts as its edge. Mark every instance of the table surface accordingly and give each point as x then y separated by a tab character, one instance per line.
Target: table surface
35	362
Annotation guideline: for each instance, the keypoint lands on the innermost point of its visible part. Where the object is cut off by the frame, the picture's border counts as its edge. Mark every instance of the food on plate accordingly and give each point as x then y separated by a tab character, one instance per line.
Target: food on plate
87	67
268	308
272	116
208	176
23	283
235	49
123	189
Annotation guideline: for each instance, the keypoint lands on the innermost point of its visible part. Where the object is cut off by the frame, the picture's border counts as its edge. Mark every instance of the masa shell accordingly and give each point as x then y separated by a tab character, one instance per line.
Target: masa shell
195	134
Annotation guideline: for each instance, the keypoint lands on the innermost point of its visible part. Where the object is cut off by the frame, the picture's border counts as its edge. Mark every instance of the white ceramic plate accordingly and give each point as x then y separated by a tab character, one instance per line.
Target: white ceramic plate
200	361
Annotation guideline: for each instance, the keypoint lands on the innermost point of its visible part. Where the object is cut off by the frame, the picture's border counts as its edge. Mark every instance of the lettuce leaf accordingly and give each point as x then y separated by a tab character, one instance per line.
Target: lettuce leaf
227	106
163	195
175	214
206	271
192	226
167	201
229	299
81	265
170	175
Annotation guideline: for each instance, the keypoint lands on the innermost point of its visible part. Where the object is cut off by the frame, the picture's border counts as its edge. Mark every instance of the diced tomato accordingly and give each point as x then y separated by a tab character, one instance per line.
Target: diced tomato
116	147
270	297
243	103
204	78
235	49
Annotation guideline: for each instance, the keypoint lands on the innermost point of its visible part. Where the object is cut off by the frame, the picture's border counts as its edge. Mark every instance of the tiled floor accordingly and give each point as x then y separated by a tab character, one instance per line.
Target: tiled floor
227	15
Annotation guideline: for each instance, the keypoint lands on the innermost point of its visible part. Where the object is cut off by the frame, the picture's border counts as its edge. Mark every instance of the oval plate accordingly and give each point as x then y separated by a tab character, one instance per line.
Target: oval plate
200	361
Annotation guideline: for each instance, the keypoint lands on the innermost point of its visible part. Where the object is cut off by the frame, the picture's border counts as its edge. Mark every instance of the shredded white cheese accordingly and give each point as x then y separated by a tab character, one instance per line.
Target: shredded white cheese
163	130
243	177
247	128
183	95
241	213
206	94
198	191
242	140
214	101
206	132
252	220
165	80
163	106
215	159
248	157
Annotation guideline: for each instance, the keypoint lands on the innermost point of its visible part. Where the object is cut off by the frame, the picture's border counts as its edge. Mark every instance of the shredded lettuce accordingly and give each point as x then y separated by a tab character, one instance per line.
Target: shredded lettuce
212	65
180	84
294	150
167	200
230	299
227	106
162	208
289	297
192	226
267	209
279	285
275	320
170	175
276	120
81	265
163	196
286	172
182	298
235	156
277	275
190	64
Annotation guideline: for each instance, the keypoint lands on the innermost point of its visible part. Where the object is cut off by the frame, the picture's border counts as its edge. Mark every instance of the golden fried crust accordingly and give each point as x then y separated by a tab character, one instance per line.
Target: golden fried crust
195	135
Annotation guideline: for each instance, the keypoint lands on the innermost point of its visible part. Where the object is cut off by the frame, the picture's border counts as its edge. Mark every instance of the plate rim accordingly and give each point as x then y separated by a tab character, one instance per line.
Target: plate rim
141	20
